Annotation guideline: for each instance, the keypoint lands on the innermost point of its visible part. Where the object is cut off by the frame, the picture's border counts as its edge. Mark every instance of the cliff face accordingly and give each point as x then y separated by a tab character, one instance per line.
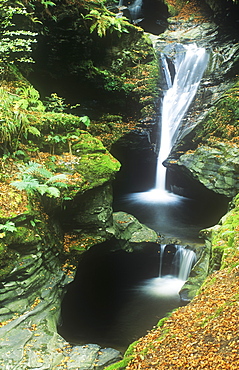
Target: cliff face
39	232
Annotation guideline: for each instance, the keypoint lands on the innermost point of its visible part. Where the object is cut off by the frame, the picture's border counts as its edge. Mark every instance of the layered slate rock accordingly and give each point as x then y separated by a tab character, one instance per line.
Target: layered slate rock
35	266
217	168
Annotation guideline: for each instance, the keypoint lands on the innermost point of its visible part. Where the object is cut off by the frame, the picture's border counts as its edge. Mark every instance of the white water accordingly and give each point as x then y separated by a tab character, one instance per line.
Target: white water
182	75
135	9
170	285
189	65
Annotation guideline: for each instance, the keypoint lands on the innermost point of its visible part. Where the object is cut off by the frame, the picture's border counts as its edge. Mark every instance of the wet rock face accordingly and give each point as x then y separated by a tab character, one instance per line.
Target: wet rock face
136	153
30	299
216	168
90	212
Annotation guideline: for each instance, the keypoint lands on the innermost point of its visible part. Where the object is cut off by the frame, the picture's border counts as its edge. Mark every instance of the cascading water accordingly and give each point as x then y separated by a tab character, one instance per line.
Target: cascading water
172	277
183	67
135	9
190	62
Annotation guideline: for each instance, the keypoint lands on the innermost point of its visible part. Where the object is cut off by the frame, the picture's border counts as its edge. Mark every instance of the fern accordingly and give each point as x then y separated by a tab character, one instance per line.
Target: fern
8	226
103	22
35	168
36	178
15	119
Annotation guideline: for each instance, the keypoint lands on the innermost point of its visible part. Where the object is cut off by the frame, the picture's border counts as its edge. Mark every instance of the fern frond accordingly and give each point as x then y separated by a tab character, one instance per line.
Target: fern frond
52	191
42	188
56	178
33	130
28	184
37	169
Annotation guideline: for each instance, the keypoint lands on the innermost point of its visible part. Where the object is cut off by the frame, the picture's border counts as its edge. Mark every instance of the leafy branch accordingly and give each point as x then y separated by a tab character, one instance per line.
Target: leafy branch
15	44
15	119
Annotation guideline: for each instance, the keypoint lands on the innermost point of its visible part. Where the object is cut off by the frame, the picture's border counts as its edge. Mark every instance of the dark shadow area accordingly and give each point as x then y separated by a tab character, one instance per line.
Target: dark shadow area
104	304
138	159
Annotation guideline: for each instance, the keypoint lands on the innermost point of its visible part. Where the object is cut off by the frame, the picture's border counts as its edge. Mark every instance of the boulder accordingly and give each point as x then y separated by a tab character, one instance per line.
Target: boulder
132	234
217	167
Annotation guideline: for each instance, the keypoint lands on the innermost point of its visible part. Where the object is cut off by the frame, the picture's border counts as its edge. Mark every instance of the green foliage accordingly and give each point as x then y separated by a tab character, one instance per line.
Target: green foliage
225	238
47	3
61	123
85	120
222	121
55	103
105	21
29	98
8	226
15	44
16	121
36	178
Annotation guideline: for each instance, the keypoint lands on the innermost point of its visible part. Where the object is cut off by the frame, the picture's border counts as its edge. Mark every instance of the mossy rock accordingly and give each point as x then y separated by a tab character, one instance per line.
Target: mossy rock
22	237
215	166
224	239
8	260
87	144
221	123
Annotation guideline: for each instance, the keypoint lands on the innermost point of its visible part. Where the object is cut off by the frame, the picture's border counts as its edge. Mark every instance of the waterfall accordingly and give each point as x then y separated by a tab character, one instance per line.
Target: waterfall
181	261
182	76
135	9
175	264
162	247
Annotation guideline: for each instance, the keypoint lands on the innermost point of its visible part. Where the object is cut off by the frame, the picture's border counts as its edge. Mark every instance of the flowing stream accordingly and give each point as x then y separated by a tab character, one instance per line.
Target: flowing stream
183	67
124	294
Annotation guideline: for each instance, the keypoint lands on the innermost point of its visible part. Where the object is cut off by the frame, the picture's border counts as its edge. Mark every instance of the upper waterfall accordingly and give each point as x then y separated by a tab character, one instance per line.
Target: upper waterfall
182	76
135	9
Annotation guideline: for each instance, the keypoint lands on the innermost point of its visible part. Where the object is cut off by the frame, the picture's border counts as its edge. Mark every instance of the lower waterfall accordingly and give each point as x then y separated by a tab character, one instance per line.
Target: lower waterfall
117	296
173	274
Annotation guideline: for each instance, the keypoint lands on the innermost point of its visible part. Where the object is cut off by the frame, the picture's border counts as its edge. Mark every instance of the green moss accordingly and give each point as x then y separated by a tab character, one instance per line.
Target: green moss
162	322
222	121
225	239
121	365
8	260
127	357
87	144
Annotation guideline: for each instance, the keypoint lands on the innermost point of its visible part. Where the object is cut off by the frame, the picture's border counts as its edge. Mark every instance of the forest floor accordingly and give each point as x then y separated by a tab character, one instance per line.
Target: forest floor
193	10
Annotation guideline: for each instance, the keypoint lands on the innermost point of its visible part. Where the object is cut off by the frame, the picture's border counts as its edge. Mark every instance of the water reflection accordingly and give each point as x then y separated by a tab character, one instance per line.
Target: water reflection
172	215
